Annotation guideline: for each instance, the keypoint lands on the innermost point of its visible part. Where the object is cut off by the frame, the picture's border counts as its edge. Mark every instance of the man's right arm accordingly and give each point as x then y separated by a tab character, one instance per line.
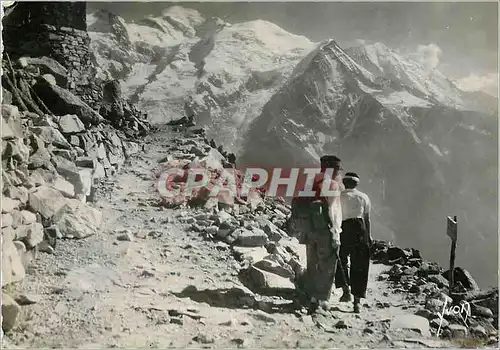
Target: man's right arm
335	212
366	218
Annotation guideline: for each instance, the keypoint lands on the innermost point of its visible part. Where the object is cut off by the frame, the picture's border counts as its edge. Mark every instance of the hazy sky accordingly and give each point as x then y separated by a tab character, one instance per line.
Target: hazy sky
465	35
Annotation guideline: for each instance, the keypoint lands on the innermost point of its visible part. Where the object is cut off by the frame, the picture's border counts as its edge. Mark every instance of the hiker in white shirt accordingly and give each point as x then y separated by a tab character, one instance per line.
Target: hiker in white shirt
355	240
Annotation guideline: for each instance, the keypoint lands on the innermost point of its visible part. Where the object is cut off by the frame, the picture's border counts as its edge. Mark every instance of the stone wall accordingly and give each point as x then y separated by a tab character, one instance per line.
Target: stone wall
57	31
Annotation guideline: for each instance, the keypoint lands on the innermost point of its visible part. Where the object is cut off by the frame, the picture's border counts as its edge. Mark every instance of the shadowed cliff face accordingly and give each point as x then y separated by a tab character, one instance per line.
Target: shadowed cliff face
69	14
419	159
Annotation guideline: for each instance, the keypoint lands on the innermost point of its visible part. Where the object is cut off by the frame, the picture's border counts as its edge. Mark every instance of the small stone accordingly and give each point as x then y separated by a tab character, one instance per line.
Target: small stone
27	299
368	330
262	316
341	325
45	247
204	339
147	274
177	320
387	338
254	238
478	331
240	342
70	124
412	322
481	311
457	331
308	320
437	322
125	237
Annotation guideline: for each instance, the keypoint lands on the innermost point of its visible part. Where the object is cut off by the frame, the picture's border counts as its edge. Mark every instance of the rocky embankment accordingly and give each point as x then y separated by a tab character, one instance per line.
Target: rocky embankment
55	150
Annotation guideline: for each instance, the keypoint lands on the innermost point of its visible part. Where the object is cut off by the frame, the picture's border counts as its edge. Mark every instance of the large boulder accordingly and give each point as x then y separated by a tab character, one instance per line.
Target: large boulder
77	220
62	185
30	234
274	266
12	266
50	135
411	322
19	193
463	276
70	124
9	204
11	122
267	283
15	149
19	218
70	172
40	159
47	201
251	238
47	66
10	311
61	102
249	254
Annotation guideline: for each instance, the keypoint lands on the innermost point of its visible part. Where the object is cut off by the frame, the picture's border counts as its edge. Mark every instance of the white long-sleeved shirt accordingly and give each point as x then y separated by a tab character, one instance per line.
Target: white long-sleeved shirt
355	204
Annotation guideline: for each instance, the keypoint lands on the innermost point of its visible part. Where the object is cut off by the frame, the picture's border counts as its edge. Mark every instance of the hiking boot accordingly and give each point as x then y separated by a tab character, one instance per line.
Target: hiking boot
356	306
356	309
313	305
345	298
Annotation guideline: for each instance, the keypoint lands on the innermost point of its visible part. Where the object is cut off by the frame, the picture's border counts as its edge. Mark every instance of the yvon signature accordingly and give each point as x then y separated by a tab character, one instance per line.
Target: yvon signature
463	311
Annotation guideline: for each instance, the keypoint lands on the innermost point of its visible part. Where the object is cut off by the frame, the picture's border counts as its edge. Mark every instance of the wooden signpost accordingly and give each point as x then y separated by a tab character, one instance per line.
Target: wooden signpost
452	232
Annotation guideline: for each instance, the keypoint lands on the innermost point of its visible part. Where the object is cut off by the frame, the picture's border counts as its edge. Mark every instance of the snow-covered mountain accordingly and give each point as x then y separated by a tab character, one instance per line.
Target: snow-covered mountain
424	148
181	62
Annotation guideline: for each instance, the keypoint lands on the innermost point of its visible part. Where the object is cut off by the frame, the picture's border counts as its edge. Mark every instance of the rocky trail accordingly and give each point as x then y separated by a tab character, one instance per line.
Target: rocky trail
147	279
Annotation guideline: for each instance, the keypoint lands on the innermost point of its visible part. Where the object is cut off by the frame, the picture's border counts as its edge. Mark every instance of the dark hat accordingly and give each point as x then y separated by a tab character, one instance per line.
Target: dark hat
331	161
351	176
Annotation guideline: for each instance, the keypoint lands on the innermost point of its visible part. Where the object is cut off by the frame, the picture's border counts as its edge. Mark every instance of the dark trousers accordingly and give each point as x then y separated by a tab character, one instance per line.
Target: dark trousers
353	244
318	278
